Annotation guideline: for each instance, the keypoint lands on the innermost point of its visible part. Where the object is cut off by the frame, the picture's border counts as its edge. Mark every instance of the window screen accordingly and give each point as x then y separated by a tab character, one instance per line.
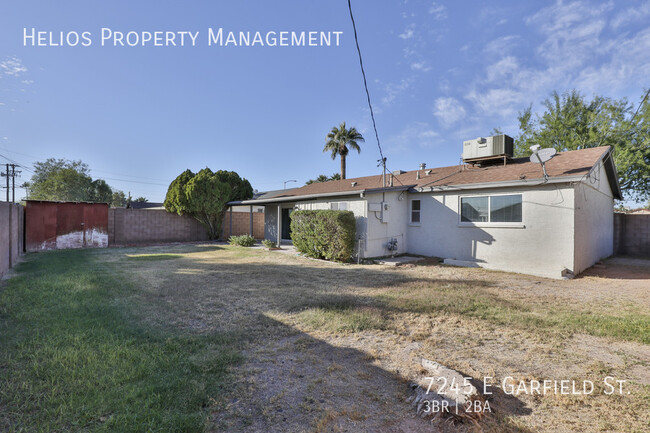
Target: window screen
474	209
415	211
505	208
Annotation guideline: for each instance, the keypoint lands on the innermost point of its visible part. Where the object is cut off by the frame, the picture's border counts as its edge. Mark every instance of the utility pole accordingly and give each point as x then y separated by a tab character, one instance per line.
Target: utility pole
14	173
11	172
382	163
6	174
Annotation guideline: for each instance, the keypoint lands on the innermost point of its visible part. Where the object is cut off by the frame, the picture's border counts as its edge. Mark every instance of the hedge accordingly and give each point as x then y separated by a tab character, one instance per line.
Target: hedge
324	234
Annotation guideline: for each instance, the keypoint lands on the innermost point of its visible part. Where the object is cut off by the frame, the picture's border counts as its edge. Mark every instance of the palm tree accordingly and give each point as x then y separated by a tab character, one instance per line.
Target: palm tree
340	140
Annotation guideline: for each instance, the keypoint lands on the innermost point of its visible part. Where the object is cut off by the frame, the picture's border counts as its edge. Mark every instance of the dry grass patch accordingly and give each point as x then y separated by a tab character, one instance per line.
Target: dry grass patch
330	347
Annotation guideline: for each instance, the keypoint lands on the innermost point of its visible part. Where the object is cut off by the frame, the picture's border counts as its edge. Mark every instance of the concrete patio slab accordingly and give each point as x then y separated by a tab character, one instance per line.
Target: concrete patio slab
397	261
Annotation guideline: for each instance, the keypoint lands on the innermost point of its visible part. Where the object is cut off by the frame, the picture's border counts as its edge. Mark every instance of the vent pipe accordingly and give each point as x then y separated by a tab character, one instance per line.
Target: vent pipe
423	166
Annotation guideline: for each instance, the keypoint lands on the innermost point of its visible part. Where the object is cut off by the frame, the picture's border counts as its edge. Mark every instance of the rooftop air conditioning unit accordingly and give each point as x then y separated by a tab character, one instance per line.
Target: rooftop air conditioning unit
487	147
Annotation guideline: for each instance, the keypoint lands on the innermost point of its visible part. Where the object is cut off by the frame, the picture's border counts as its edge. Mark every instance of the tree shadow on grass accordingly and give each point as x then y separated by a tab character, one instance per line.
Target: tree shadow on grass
294	382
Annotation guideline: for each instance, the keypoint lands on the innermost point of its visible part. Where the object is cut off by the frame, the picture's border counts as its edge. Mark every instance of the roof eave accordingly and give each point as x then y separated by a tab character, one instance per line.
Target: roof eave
612	175
296	198
501	184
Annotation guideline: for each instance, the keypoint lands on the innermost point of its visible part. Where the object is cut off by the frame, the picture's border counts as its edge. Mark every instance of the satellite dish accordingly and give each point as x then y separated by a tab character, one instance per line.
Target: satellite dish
541	156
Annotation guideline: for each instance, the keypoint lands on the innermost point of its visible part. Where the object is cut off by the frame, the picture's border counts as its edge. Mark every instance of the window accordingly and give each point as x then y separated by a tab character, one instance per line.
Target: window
493	209
474	209
339	205
505	208
415	211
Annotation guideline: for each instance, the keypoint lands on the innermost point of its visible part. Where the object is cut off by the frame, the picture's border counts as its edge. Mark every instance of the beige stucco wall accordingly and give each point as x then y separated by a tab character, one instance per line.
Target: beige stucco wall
379	232
594	220
565	227
541	245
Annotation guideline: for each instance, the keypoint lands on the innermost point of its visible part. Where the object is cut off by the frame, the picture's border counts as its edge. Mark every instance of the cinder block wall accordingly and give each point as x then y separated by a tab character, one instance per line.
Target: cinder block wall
142	226
632	234
241	223
12	234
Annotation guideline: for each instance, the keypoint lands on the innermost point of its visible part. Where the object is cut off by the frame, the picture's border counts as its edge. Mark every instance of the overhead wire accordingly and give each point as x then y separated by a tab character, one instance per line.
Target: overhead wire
610	154
365	81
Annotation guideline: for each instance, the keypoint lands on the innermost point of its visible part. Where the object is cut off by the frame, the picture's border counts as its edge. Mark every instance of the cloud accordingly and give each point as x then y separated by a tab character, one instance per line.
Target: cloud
504	102
570	47
408	32
448	110
438	11
12	67
502	45
394	90
417	133
630	62
420	66
631	15
572	31
504	68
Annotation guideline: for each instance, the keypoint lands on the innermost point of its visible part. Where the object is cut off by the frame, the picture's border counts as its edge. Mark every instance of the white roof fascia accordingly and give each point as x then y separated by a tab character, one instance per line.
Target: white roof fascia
509	183
297	197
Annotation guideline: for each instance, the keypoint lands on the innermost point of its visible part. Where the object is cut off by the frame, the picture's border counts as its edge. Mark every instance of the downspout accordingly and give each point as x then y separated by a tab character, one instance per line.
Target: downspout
251	220
279	239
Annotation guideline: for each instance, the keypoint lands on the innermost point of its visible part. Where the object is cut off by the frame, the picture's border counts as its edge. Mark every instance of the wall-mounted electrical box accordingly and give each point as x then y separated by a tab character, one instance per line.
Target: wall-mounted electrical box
385	212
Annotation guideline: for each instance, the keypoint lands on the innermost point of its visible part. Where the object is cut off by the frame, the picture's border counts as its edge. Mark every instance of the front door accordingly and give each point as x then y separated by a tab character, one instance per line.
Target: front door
286	223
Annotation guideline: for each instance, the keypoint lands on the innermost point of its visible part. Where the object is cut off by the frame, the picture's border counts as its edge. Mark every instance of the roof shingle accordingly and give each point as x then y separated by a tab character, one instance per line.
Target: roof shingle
564	164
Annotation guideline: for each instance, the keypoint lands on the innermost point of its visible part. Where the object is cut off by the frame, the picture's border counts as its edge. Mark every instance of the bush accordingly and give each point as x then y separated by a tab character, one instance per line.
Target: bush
324	234
242	241
269	243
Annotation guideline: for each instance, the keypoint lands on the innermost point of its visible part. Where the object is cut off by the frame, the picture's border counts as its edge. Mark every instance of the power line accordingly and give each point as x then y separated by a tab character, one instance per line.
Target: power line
640	105
24	166
365	84
95	170
134	181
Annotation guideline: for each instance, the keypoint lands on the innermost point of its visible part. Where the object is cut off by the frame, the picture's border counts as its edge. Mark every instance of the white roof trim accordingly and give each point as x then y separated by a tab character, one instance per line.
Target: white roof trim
508	183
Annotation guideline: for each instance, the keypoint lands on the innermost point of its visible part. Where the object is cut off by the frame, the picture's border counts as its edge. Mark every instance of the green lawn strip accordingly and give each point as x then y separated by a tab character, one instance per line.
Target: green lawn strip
475	302
71	359
153	257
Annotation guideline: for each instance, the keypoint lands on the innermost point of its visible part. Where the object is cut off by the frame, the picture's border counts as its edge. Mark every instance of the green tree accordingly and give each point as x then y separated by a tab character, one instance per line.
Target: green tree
64	180
118	199
569	122
141	200
100	192
324	178
204	195
340	140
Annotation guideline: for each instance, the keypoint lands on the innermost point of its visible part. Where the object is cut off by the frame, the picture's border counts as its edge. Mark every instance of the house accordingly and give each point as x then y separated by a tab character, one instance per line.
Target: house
498	213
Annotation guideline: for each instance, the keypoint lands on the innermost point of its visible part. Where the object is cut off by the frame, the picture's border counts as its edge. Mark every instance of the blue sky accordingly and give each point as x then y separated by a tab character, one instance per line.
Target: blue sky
438	72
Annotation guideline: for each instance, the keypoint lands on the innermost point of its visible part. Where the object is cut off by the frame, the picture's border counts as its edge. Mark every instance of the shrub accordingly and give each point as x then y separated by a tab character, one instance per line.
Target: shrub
324	234
269	243
242	241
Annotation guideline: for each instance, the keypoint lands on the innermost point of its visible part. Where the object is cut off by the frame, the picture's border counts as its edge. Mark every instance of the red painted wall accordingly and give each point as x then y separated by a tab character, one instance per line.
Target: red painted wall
56	225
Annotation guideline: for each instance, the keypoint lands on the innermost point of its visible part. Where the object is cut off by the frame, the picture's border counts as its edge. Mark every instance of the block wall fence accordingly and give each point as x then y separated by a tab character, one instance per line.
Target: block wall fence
632	234
145	226
12	234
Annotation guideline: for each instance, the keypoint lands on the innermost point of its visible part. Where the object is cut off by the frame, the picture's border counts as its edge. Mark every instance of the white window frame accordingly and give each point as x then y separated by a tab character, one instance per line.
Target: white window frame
411	222
462	223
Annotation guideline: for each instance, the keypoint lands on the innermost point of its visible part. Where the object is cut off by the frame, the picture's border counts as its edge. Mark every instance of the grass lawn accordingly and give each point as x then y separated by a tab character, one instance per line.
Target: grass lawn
220	338
75	355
